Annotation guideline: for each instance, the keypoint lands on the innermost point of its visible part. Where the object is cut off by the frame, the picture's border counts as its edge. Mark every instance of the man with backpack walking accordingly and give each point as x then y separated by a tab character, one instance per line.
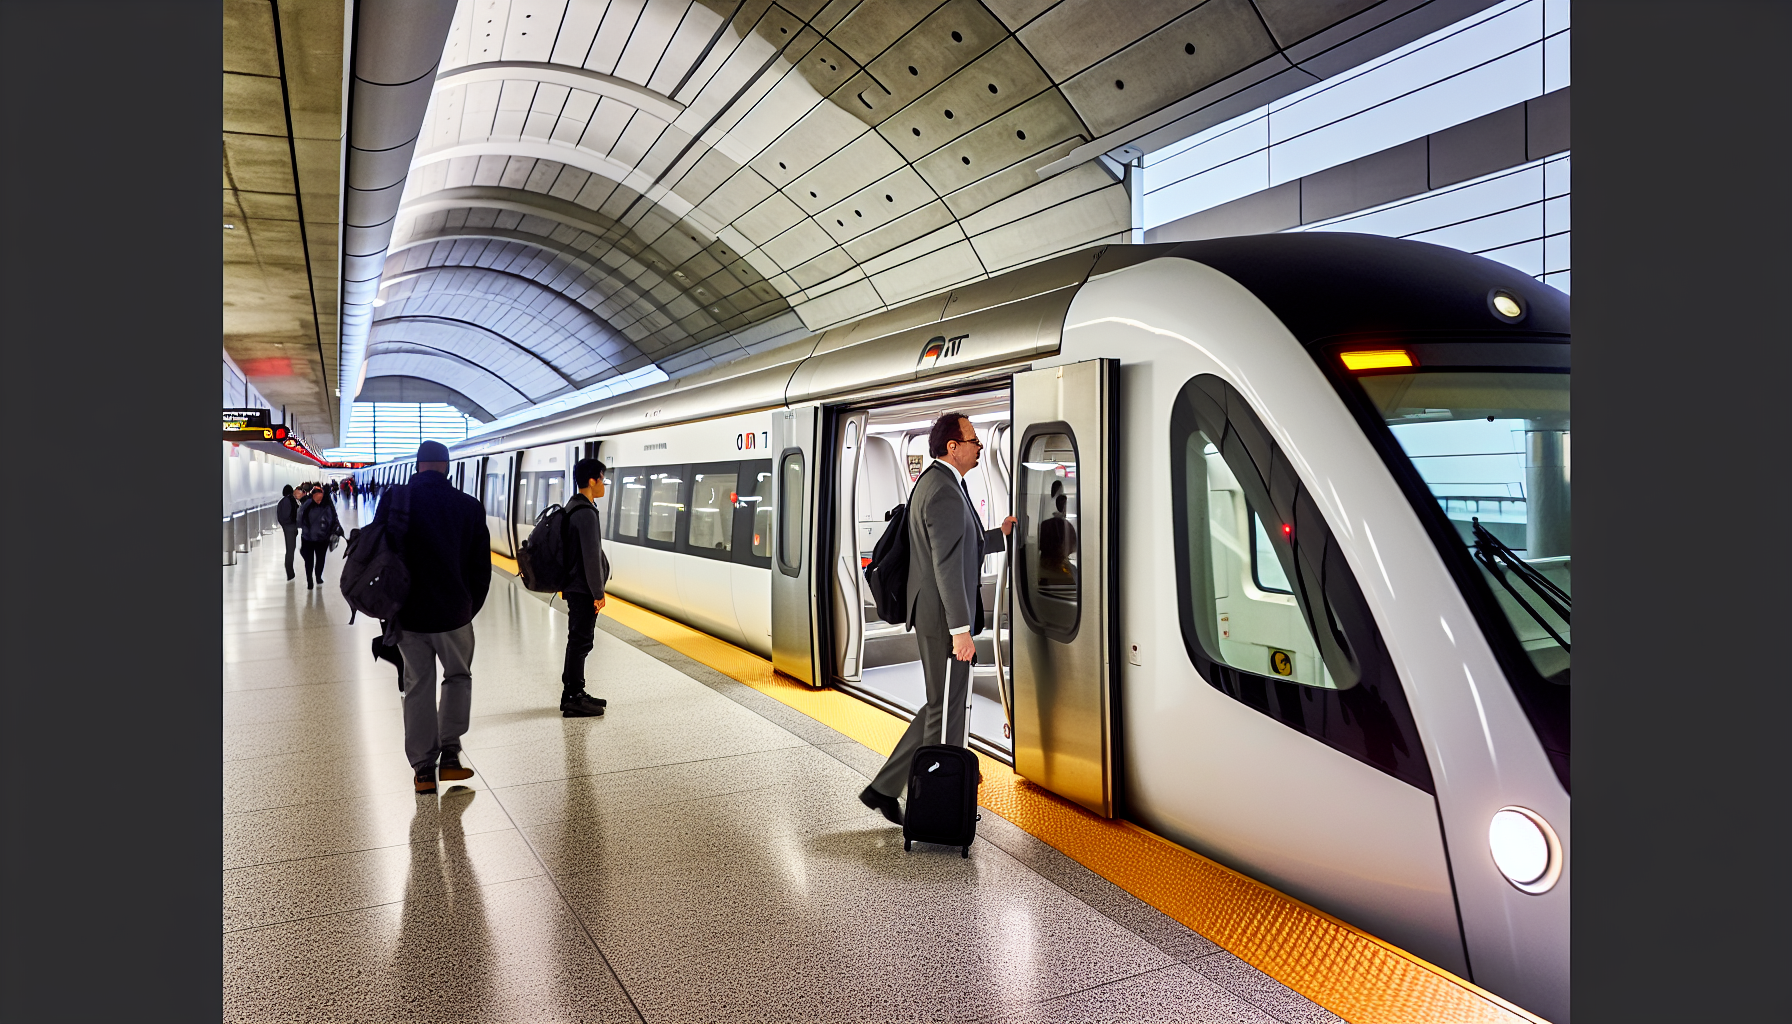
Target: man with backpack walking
589	571
447	552
944	602
287	515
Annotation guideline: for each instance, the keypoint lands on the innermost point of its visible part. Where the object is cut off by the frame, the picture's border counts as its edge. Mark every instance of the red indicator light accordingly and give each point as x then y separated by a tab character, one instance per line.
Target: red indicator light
864	563
1287	531
734	496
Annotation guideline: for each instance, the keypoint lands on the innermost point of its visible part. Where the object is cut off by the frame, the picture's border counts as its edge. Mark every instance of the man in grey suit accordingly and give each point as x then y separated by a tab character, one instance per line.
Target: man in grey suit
946	545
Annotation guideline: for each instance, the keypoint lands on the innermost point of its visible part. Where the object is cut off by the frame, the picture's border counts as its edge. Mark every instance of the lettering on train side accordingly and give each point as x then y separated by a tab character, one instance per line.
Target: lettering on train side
659	447
749	441
940	349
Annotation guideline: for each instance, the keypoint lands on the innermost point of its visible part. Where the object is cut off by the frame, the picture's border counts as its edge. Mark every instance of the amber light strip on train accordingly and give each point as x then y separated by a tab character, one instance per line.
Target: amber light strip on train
1342	968
1376	359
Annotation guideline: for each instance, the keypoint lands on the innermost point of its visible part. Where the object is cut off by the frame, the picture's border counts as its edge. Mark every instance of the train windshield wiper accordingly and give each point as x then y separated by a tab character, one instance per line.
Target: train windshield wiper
1502	562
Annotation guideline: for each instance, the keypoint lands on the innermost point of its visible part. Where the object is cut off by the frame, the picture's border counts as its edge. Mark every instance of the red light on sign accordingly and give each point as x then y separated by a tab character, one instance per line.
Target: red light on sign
280	433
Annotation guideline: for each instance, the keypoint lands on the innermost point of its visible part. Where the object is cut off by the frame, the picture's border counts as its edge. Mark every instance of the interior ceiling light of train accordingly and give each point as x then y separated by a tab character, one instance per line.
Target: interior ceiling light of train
599	187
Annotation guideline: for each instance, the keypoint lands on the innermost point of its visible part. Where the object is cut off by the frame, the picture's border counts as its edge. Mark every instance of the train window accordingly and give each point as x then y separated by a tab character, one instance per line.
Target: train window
497	495
790	512
1478	437
1048	552
1309	656
663	505
1266	569
715	489
754	509
630	492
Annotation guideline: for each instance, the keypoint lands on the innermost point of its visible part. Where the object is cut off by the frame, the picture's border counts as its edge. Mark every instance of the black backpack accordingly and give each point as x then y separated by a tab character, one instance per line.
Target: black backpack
888	572
545	559
374	577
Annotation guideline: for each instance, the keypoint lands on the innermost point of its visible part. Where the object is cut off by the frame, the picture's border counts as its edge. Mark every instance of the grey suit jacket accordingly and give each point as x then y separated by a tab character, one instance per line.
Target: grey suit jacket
946	545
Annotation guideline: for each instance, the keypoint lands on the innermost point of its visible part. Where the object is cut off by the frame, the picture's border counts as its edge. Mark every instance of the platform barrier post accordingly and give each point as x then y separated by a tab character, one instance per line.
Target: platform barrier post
229	546
241	531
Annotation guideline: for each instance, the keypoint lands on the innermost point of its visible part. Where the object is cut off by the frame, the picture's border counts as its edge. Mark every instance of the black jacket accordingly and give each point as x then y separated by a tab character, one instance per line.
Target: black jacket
590	566
448	551
318	522
287	513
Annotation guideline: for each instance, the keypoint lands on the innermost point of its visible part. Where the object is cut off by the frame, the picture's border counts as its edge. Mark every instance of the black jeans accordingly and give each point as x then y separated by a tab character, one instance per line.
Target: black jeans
313	552
292	537
581	628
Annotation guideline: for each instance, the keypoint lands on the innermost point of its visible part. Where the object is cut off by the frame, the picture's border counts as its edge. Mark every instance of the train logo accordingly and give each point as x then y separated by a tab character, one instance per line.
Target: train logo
749	441
939	349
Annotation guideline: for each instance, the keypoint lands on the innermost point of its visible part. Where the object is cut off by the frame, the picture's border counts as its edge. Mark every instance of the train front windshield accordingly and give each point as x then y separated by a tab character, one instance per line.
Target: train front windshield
1493	447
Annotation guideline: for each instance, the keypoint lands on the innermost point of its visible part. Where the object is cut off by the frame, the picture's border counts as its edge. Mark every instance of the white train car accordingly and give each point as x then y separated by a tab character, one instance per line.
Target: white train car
1291	580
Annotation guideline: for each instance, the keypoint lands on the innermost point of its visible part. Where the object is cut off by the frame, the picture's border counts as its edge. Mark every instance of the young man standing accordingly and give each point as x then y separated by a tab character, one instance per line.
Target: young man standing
447	550
585	594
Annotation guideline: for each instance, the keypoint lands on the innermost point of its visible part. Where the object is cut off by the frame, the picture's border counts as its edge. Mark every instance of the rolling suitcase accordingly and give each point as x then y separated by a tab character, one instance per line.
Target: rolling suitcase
943	778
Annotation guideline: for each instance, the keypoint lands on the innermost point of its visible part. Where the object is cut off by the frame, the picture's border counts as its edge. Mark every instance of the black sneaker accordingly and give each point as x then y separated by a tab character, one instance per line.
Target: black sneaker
581	705
450	768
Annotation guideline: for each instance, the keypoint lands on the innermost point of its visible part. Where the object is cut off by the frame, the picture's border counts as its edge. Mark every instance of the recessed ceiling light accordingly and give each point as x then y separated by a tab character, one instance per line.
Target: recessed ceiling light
230	227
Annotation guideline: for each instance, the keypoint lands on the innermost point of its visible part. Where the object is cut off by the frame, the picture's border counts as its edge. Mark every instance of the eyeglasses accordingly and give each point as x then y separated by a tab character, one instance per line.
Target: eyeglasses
970	440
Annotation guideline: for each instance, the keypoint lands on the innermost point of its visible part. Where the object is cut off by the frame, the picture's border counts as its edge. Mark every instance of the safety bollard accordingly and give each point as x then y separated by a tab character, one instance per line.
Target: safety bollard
229	546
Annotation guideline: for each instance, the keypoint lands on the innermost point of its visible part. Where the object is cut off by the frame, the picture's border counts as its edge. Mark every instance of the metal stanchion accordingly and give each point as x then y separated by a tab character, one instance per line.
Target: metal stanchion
229	545
240	531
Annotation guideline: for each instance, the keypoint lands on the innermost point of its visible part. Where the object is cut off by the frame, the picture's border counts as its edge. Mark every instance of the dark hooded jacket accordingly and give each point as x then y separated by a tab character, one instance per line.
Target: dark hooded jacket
318	522
448	551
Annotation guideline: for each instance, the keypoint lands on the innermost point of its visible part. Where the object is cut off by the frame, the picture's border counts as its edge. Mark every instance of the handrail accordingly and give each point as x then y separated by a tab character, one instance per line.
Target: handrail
1003	685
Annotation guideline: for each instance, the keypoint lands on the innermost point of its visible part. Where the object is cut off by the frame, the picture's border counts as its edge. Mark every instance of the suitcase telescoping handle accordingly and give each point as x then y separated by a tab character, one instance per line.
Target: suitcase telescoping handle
953	666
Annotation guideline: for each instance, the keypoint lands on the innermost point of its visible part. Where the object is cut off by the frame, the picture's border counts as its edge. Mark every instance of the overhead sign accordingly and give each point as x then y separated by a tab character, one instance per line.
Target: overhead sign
247	419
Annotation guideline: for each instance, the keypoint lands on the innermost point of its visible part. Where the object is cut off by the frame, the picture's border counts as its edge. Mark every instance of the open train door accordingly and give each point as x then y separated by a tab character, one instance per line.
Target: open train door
1065	672
794	574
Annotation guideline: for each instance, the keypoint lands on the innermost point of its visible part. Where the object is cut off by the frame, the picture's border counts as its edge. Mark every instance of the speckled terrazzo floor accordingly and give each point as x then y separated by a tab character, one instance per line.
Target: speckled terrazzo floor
697	854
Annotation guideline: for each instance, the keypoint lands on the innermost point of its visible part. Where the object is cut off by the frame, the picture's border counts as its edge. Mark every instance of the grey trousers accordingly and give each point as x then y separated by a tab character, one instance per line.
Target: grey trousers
428	729
943	674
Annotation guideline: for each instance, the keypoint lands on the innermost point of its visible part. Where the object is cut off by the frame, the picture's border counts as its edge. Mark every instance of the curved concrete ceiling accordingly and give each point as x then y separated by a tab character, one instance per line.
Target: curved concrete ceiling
607	184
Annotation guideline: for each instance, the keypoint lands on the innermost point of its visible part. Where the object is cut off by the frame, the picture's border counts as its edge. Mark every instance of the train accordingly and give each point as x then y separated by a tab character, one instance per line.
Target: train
1290	583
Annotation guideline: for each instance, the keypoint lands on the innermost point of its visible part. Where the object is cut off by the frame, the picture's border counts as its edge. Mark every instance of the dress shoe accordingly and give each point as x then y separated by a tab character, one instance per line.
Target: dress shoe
450	769
885	805
426	782
581	705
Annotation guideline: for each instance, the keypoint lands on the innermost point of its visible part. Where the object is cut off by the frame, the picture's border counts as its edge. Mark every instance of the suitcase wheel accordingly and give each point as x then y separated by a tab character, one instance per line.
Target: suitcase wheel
965	853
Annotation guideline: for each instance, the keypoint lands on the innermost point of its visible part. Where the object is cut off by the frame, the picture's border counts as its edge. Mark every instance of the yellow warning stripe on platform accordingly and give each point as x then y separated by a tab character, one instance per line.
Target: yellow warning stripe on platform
1342	968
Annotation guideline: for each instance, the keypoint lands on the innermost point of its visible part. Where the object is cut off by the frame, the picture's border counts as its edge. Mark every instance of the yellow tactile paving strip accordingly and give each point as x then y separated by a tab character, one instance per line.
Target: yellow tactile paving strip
1349	972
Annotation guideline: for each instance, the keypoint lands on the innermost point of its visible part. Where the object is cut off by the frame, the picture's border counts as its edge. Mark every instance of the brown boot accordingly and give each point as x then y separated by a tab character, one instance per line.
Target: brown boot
426	783
450	769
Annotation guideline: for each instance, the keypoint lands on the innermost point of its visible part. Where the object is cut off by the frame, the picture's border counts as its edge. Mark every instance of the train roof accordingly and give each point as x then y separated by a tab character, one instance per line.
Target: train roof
1322	285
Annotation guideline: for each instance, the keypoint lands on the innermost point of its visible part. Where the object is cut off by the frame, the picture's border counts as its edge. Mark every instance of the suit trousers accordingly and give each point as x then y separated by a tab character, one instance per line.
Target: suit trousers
292	538
429	729
581	632
935	641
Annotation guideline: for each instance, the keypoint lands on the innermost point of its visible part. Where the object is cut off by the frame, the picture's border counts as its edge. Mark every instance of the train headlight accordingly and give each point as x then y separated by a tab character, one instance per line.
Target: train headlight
1525	849
1505	305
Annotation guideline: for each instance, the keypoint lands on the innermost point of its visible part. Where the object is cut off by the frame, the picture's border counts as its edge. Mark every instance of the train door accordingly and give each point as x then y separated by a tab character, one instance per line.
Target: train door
1062	578
878	453
499	474
793	561
847	584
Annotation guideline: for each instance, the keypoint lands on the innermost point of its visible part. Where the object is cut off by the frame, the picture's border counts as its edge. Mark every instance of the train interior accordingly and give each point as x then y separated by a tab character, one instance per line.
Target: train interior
882	452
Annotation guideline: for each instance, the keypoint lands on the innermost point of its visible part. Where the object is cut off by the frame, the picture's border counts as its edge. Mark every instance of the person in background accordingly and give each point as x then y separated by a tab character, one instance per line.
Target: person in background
287	515
946	545
585	594
317	524
447	550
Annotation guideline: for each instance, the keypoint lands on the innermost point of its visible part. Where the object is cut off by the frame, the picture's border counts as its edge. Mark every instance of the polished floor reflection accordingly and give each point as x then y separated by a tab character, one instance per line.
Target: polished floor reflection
698	854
